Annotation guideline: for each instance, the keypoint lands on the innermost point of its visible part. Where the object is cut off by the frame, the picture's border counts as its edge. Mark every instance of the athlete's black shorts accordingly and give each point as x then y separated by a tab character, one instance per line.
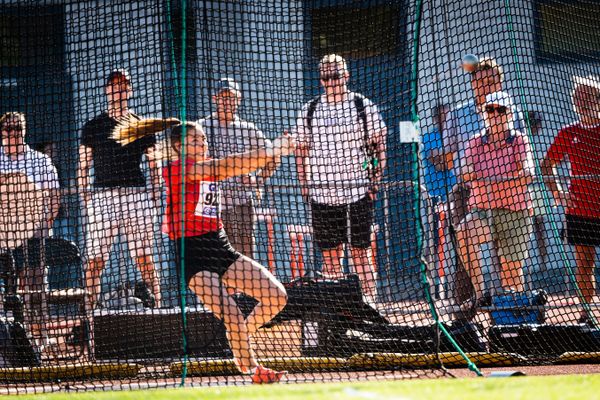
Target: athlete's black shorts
583	231
210	252
330	224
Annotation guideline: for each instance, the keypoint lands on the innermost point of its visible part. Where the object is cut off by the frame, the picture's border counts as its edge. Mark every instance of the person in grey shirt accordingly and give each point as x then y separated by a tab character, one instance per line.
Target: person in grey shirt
227	133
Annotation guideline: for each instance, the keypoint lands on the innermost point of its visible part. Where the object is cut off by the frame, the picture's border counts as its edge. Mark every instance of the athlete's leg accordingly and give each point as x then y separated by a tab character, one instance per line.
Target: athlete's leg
93	272
363	263
138	226
101	230
512	274
332	266
256	281
512	234
150	276
330	233
360	218
470	234
208	287
585	277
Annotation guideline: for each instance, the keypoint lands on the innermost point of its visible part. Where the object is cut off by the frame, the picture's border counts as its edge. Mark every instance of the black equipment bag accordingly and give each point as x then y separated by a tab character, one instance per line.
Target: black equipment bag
321	299
338	323
342	340
16	348
543	340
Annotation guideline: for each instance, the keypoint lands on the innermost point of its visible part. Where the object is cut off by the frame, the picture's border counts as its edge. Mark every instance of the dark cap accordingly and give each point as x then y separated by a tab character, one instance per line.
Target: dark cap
226	84
118	73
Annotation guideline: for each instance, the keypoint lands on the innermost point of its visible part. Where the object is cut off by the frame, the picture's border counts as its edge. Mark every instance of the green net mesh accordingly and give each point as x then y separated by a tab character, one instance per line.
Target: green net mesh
213	192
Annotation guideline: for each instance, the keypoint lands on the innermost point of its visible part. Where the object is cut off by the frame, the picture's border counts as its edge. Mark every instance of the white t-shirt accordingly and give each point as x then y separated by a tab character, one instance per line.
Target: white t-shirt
39	169
37	166
239	136
336	149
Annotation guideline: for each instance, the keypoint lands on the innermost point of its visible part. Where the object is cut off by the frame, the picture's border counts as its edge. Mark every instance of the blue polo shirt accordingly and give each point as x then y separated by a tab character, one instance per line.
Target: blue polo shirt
438	183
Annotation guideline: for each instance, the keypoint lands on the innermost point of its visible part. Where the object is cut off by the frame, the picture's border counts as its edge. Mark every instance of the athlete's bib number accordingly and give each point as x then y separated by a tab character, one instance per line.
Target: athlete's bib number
208	201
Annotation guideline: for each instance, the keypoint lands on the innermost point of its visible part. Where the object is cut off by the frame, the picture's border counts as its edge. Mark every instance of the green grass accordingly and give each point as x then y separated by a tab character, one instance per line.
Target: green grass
580	387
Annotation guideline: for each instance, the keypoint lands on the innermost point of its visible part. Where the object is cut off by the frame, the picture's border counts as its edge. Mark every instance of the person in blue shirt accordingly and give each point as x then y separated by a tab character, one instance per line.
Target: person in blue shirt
438	177
439	180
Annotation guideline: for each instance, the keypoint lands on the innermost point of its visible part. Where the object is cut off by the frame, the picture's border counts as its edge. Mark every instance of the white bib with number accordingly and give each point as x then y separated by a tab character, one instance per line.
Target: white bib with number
208	200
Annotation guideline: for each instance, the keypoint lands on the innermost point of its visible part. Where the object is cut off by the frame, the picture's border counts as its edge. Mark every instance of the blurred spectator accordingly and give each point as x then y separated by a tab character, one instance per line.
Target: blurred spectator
228	134
580	143
537	192
340	161
121	202
498	166
17	157
439	179
467	120
464	122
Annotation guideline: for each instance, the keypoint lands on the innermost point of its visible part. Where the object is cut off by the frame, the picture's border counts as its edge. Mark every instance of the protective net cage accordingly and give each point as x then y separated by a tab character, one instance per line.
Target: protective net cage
214	192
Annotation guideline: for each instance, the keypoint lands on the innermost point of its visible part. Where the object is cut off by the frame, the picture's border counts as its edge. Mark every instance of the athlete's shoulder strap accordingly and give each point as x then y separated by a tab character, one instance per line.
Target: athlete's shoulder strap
310	112
359	103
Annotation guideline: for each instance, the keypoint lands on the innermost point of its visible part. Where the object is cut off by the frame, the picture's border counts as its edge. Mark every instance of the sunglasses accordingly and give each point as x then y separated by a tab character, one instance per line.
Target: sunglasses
492	109
12	129
331	77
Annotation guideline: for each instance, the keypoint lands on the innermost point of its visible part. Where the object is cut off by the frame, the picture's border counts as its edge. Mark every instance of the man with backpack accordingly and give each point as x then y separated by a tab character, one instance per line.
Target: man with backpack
340	162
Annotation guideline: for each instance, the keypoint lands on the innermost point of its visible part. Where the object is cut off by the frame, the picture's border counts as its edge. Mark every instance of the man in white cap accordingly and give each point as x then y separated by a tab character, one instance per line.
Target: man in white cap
467	119
580	142
228	134
463	122
498	166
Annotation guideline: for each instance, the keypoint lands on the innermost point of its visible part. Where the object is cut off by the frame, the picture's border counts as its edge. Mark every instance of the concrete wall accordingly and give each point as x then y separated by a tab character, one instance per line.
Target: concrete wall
103	37
260	44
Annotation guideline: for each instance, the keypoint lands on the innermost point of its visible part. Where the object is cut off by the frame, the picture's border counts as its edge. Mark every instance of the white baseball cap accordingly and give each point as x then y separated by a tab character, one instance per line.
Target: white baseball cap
224	84
500	99
589	81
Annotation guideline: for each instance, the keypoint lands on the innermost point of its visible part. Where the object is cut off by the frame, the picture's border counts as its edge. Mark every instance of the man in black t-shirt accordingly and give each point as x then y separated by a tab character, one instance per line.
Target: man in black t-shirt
120	201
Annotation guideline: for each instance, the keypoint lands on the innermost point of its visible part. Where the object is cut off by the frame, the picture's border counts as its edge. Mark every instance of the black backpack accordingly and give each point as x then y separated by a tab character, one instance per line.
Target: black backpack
359	103
16	347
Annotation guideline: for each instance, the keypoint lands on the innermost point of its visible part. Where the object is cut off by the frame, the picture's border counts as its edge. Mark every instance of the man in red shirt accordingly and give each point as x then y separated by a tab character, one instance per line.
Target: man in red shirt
580	142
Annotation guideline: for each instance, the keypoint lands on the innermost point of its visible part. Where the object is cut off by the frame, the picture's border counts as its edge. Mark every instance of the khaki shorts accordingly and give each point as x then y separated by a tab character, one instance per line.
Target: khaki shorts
510	230
238	222
123	211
